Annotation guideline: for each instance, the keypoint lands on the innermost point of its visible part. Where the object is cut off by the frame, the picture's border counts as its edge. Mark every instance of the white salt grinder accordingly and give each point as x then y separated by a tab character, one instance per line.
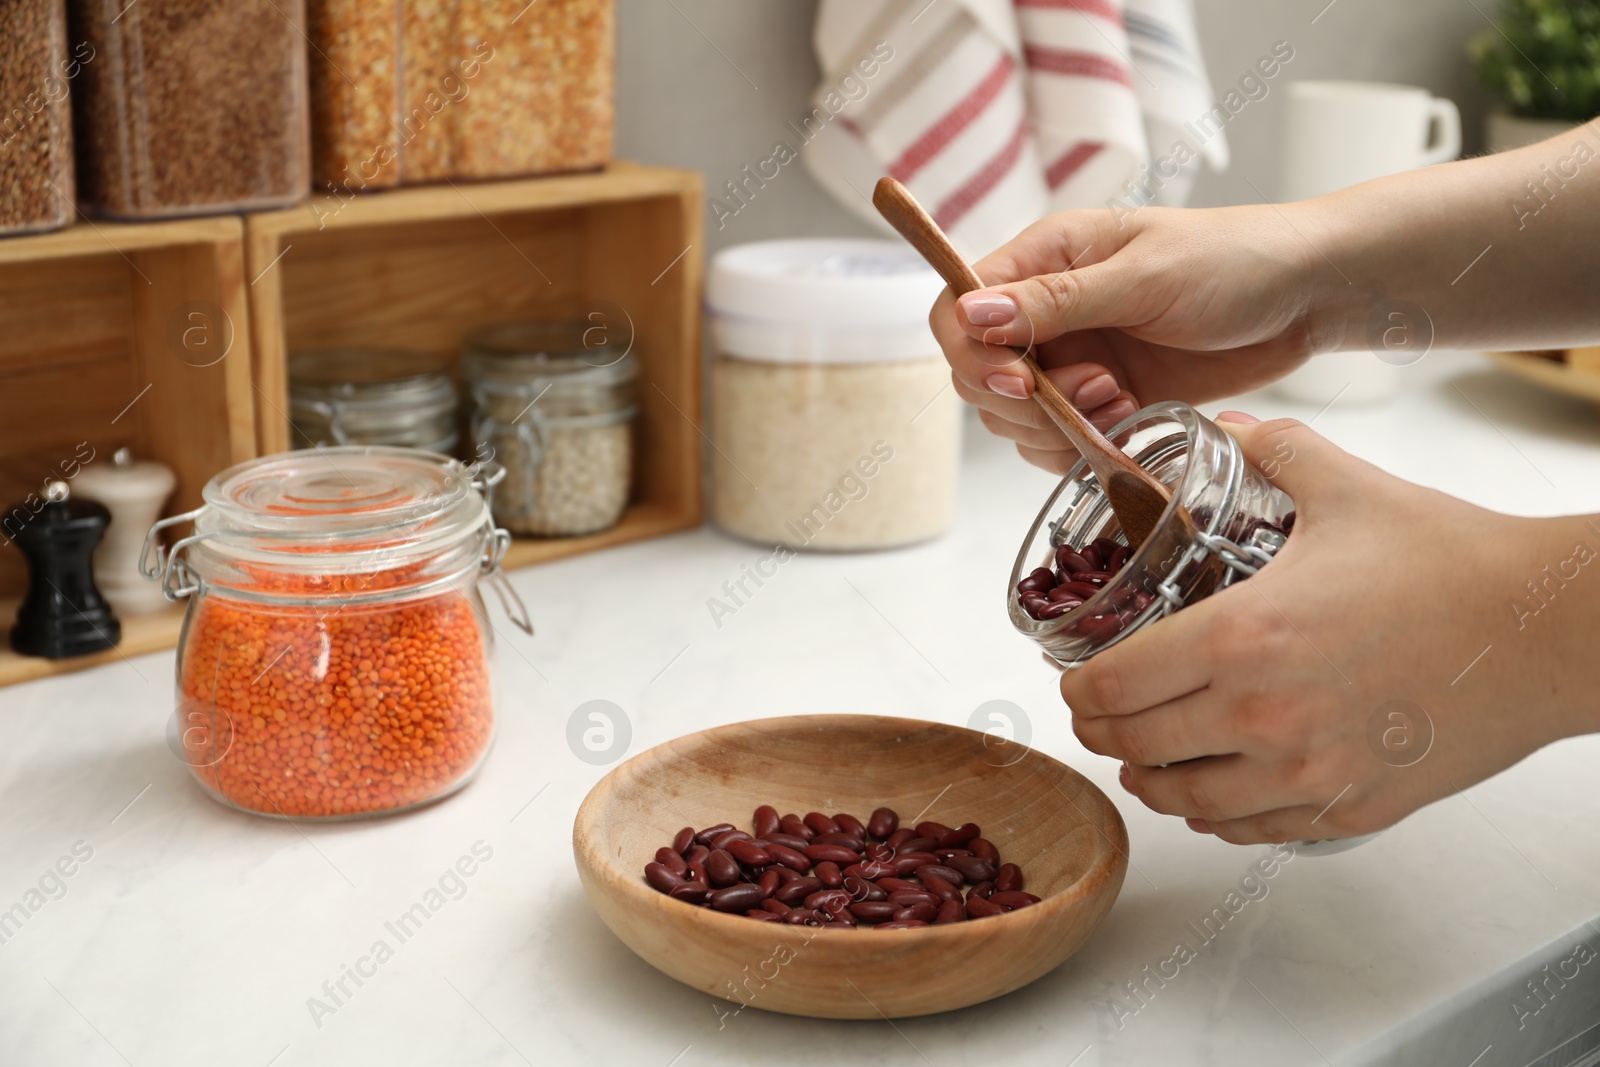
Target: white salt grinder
134	492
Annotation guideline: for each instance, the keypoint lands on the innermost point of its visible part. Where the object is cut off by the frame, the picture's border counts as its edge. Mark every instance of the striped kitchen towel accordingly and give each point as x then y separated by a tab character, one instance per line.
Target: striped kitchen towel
995	113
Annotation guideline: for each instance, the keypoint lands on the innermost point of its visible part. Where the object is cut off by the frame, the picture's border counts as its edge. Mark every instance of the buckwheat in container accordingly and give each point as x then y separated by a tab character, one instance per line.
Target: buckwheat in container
833	422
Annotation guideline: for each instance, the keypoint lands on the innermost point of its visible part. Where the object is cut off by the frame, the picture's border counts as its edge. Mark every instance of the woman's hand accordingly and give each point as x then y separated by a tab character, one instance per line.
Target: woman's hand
1186	305
1266	712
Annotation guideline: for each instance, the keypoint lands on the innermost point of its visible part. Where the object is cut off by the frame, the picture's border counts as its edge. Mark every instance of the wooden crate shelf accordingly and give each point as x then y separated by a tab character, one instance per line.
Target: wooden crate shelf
112	335
416	268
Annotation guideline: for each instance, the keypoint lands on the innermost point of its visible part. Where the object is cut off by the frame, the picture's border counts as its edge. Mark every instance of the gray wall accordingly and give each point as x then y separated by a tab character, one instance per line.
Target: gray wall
681	101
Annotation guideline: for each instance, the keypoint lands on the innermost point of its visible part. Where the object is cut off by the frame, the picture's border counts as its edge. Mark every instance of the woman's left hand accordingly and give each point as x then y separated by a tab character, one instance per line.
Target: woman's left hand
1341	688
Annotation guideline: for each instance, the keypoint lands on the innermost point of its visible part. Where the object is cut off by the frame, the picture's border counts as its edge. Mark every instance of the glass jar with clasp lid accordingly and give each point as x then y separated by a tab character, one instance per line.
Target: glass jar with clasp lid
372	396
555	401
334	659
1224	523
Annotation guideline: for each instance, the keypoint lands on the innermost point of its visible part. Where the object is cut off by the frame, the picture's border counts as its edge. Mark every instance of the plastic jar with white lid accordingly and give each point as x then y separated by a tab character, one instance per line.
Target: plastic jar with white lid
834	425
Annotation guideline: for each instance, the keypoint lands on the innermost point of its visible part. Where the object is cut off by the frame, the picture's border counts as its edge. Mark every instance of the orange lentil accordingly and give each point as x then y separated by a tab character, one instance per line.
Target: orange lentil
286	683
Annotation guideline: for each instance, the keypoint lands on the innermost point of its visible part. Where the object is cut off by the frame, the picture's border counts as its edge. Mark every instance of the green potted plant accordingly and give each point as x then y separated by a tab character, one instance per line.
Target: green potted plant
1543	61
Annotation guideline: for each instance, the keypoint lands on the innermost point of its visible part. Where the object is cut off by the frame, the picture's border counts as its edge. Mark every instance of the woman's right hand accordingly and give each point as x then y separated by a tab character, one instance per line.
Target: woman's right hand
1190	305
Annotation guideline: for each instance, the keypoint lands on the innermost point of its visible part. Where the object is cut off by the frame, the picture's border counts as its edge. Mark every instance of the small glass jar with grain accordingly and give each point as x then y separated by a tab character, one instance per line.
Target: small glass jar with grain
553	403
834	425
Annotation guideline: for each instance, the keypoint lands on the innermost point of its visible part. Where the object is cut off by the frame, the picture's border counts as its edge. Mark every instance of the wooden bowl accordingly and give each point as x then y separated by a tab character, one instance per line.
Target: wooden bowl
1066	835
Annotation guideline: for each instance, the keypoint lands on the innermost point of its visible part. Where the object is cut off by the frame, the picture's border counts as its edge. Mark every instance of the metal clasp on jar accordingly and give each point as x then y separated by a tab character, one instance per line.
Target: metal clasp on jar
495	578
169	566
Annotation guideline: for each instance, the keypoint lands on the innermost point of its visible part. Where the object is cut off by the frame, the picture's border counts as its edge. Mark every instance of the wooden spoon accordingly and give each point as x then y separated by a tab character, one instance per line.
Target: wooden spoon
1136	496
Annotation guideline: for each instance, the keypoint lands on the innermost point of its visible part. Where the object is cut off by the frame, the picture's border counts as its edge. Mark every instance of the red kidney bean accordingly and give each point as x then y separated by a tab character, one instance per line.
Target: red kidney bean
877	850
777	907
960	835
829	899
854	844
1056	609
833	853
1068	561
906	897
982	890
1008	879
903	834
972	867
723	869
907	925
697	871
871	870
946	853
861	889
942	888
801	917
874	911
1041	580
787	841
941	872
842	917
894	883
697	854
762	915
788	857
749	853
797	890
685	838
690	892
1118	557
851	825
951	911
907	862
983	848
982	909
768	882
883	822
705	836
923	912
766	820
660	878
1094	578
1063	593
1091	555
828	874
917	844
737	898
1106	546
672	861
1014	899
723	839
795	826
785	874
1076	590
820	823
932	829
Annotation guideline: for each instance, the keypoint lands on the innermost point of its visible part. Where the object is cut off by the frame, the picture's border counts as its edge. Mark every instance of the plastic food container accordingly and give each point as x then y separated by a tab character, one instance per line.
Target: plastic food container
834	423
418	92
192	107
335	655
372	396
1239	521
36	71
556	407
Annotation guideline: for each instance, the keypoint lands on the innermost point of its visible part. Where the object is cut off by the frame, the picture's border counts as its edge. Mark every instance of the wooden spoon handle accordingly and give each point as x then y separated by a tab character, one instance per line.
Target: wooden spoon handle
896	204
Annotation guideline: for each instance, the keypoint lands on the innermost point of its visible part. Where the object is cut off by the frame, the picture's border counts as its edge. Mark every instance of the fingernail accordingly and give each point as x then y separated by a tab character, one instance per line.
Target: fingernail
988	309
1199	826
1007	385
1236	416
1126	778
1095	391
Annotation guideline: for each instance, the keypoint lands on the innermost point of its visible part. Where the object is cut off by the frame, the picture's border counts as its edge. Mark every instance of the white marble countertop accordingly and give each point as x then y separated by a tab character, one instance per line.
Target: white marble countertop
192	934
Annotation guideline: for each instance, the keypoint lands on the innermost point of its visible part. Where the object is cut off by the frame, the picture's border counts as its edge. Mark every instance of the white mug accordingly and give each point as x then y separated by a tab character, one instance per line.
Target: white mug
1340	134
1343	133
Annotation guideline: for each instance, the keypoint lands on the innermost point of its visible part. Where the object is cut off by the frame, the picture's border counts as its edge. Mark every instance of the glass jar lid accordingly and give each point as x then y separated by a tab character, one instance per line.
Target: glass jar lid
571	367
412	516
389	377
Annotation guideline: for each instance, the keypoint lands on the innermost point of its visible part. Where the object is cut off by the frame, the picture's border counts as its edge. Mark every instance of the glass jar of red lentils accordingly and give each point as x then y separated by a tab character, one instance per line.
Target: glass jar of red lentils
1225	521
334	661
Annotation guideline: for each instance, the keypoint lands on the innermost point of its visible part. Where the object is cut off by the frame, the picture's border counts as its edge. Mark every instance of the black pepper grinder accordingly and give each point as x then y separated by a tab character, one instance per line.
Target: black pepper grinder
63	614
